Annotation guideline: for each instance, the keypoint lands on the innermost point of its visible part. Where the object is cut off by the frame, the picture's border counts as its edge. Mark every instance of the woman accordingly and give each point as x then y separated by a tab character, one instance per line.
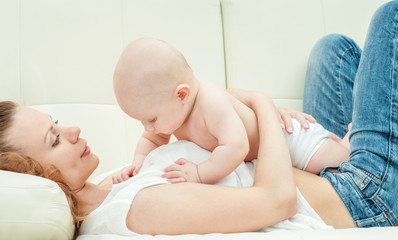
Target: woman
370	174
41	139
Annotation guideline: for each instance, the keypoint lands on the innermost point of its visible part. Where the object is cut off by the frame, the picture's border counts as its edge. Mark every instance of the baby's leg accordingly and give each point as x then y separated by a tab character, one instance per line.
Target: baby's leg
332	152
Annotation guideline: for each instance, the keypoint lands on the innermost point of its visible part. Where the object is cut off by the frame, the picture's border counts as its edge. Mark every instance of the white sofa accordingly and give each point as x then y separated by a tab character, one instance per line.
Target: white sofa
58	56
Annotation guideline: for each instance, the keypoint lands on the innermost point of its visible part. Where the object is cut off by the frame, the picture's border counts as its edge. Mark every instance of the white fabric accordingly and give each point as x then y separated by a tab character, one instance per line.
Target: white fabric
32	205
316	234
303	143
110	217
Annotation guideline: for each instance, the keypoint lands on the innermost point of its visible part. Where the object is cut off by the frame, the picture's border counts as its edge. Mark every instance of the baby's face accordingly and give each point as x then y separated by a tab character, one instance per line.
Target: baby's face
162	116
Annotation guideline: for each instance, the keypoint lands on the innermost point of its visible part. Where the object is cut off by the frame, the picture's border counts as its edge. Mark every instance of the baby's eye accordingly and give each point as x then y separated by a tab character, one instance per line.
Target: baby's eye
153	120
56	121
56	142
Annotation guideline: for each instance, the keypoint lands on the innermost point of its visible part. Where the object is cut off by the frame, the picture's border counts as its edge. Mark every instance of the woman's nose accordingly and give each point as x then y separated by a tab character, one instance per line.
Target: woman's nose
72	134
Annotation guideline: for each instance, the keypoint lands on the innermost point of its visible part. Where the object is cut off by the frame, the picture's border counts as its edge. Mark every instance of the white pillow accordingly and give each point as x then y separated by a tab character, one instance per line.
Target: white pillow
33	207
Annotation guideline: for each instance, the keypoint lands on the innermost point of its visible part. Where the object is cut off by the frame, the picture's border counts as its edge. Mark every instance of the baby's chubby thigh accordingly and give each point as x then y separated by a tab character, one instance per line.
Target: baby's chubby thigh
330	153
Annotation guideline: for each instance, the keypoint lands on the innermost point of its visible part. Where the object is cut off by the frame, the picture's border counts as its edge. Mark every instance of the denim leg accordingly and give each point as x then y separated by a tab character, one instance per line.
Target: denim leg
367	184
375	117
331	71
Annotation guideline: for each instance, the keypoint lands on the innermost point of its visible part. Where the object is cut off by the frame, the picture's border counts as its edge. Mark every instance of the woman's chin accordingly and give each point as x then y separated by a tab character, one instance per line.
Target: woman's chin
93	164
97	161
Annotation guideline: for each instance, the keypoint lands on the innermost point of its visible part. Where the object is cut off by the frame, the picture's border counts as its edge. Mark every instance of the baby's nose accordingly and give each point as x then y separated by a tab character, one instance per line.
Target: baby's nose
149	127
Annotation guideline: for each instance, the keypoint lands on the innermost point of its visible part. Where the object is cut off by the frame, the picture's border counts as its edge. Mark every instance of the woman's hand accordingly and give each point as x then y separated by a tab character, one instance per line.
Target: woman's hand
285	114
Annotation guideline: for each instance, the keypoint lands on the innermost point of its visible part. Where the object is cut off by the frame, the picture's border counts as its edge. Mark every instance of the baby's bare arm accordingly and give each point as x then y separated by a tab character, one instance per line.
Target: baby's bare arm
147	143
225	125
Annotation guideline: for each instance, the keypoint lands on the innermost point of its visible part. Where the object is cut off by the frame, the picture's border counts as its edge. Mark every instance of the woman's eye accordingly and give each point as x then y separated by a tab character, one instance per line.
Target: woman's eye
56	121
56	142
153	120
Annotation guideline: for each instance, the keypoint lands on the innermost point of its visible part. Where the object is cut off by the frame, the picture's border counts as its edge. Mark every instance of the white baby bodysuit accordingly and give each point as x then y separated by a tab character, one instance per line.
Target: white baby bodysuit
303	143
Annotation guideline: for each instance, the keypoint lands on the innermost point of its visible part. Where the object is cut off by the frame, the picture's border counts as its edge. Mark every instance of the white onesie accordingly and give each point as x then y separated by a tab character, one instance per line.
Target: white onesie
110	216
304	143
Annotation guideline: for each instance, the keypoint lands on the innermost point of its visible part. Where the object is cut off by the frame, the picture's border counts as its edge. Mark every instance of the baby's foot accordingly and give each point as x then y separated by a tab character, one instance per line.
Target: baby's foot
346	141
335	138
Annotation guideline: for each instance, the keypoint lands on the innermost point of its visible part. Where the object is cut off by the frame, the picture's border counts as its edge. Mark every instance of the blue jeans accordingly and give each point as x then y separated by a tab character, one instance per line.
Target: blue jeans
345	84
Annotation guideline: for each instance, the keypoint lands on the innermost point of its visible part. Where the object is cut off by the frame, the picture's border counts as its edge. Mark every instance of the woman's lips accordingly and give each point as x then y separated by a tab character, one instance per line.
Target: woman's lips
86	152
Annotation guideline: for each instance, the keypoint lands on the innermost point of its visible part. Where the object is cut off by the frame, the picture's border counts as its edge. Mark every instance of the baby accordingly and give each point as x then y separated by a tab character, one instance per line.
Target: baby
154	84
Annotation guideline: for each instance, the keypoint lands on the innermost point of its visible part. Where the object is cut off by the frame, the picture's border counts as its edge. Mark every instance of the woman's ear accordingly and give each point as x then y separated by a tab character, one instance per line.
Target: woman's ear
183	92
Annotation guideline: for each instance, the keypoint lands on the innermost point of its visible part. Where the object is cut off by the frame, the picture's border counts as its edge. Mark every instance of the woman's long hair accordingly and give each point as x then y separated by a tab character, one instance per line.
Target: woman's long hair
12	160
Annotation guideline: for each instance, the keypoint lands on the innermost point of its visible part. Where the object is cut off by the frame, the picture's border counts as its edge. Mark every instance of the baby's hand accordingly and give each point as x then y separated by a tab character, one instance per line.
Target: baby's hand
123	174
182	171
137	163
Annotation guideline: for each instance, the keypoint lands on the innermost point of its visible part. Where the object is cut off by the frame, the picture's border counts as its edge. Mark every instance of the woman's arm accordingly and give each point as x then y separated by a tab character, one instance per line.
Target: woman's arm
200	208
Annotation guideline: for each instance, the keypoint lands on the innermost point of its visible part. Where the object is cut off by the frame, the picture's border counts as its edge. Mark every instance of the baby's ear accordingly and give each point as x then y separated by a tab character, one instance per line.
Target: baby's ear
183	92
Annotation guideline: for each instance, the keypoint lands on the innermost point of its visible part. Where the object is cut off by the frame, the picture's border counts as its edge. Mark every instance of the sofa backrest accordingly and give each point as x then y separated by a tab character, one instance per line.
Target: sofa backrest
267	43
59	56
65	51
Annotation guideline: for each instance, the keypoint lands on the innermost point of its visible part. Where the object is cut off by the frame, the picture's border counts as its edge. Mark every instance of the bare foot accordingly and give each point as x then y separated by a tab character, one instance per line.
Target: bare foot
345	140
335	138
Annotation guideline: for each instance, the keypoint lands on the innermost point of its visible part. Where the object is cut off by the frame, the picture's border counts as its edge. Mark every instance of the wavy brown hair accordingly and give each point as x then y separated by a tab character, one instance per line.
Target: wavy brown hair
7	112
12	160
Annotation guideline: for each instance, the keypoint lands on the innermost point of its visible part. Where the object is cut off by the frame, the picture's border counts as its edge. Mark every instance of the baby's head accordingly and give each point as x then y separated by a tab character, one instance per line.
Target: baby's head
154	84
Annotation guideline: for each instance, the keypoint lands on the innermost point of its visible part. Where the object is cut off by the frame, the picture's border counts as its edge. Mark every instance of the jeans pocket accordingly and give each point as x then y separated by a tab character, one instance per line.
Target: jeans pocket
360	178
375	221
367	182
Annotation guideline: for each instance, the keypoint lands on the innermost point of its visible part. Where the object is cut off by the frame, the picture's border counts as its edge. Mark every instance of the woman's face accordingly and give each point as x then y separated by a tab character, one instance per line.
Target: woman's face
37	136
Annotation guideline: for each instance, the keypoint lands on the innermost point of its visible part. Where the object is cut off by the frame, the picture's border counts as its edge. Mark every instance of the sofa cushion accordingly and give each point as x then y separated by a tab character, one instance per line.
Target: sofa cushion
33	207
